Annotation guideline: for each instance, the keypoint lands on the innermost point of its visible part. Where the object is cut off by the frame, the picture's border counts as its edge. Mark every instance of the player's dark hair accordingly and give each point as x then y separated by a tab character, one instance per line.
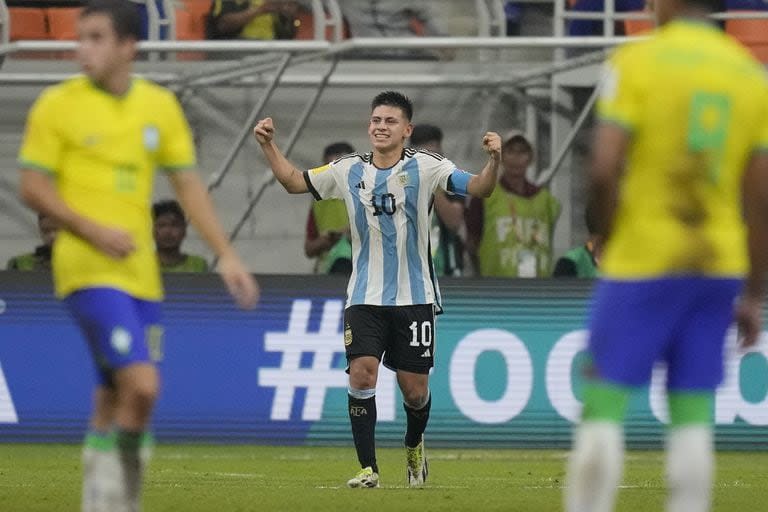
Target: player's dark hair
708	5
168	206
394	99
424	133
124	15
337	148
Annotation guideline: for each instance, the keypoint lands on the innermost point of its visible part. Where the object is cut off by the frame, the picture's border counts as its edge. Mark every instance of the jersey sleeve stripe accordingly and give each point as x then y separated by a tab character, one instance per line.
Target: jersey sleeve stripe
178	168
624	125
32	166
311	187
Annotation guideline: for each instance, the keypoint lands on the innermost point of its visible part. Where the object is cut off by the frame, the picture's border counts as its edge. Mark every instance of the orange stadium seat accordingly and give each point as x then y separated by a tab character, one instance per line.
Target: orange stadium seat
27	23
637	27
751	33
198	13
62	23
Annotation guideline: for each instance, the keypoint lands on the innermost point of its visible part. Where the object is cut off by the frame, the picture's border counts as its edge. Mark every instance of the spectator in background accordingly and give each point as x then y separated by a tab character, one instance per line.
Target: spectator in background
510	233
252	19
595	27
392	18
327	234
582	261
170	229
446	244
41	258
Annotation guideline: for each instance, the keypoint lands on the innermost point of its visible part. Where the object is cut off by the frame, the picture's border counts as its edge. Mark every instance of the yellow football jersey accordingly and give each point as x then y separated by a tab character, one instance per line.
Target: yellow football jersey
696	105
102	152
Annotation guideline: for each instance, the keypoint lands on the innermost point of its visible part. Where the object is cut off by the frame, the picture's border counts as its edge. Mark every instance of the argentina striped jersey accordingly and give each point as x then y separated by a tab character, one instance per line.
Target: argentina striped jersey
389	216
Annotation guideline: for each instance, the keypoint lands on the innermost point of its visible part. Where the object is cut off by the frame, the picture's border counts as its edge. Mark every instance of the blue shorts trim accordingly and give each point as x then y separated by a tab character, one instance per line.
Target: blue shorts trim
679	320
119	328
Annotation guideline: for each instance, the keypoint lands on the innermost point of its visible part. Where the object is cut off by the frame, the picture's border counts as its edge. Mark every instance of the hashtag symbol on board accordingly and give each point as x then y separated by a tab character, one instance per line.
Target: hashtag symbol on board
317	379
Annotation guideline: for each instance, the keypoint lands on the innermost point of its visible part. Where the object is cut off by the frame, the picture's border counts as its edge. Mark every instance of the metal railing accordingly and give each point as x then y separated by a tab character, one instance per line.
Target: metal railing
5	23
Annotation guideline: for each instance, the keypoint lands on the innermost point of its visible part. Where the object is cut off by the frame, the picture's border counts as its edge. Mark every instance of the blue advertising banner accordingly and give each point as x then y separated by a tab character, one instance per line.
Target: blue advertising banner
508	368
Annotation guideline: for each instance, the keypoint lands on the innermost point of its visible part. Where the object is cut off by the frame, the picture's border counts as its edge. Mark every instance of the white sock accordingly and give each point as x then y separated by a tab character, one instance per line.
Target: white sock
594	467
690	466
102	481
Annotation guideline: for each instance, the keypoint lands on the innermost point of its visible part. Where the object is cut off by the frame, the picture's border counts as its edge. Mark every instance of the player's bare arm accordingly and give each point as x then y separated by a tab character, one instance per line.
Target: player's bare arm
285	172
608	155
39	193
482	184
750	307
195	200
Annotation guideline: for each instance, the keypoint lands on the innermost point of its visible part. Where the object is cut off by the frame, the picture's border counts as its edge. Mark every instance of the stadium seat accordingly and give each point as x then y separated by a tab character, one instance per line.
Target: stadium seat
198	11
27	23
62	23
306	27
186	28
190	26
751	33
637	27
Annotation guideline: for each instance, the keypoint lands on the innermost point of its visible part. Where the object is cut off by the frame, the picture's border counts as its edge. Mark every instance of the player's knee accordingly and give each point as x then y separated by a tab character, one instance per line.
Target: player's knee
362	376
362	380
140	395
416	397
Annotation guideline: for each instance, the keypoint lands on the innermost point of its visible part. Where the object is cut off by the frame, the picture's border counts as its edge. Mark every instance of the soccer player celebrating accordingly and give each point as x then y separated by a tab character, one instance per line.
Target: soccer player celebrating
87	160
392	295
679	180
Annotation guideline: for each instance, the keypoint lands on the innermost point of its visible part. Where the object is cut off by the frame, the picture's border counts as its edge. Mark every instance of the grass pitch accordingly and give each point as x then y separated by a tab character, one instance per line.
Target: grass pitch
194	478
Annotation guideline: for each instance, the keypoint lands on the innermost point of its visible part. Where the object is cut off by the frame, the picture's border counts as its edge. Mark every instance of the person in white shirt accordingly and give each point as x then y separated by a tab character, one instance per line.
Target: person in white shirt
392	295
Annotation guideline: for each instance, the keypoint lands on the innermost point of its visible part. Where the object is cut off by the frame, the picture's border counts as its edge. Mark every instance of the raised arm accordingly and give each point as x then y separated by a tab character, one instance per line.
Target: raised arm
482	184
286	173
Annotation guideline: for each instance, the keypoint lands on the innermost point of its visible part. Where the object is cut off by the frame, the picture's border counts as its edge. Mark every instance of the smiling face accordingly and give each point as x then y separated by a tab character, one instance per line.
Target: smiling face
388	128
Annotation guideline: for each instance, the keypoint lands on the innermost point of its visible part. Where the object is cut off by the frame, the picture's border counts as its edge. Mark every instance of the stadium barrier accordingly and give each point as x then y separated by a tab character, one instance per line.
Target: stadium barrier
507	372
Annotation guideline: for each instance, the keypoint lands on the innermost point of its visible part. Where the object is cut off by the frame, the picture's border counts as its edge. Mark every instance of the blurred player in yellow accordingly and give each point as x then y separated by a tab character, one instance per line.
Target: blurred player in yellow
679	180
90	150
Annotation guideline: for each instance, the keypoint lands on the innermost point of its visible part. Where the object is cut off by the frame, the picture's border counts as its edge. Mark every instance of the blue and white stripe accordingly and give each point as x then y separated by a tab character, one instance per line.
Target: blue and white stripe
390	249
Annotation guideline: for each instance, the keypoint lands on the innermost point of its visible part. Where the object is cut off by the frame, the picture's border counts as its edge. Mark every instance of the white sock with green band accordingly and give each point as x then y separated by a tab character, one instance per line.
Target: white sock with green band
102	474
595	467
690	466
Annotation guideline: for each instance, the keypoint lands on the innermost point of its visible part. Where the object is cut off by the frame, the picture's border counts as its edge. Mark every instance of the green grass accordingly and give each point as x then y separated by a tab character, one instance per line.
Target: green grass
256	478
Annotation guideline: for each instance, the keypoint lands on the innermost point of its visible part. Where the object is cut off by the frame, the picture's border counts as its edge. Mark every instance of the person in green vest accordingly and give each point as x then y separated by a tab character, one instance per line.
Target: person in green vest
582	261
40	259
509	234
327	233
446	243
170	229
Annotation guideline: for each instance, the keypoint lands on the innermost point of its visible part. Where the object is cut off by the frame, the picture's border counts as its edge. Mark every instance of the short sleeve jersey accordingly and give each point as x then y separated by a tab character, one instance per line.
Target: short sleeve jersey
102	152
389	216
695	104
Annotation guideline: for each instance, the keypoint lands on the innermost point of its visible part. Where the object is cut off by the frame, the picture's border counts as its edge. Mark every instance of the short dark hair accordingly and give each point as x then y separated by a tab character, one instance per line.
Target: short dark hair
123	13
166	207
337	148
394	99
423	133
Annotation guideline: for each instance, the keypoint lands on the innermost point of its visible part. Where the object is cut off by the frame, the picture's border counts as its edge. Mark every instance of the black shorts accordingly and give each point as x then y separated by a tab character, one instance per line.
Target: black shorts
403	335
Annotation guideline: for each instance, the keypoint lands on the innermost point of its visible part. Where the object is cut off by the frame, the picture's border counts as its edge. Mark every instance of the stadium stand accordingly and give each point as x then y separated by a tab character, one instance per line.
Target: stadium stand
27	23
